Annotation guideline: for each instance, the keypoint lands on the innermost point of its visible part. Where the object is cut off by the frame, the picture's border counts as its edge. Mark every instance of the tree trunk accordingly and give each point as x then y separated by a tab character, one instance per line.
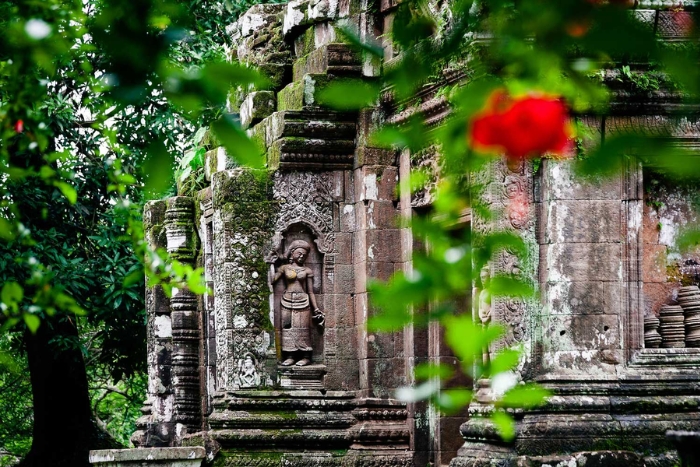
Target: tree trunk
63	426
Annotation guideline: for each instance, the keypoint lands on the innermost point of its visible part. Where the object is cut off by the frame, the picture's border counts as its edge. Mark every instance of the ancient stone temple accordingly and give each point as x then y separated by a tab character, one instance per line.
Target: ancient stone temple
277	368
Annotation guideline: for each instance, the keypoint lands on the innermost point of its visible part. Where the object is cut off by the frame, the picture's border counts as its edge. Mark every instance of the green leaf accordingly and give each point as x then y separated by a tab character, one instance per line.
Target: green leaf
157	168
12	292
468	339
8	230
237	143
67	190
524	396
421	392
185	173
32	321
452	400
352	39
505	425
509	286
230	74
349	94
425	371
134	277
199	135
505	360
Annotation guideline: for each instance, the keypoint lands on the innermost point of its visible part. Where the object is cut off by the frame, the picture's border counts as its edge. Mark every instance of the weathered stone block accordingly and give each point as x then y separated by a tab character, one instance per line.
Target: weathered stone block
295	15
153	214
336	59
347	218
378	345
377	183
302	93
345	376
592	363
559	182
366	155
359	246
344	279
361	304
346	343
382	376
579	332
165	457
583	298
377	215
379	270
256	106
360	274
581	262
583	221
654	263
339	310
343	245
240	185
381	245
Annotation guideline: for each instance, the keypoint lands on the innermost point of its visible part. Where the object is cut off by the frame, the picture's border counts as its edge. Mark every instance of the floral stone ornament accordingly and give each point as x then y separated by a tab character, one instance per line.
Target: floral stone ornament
522	128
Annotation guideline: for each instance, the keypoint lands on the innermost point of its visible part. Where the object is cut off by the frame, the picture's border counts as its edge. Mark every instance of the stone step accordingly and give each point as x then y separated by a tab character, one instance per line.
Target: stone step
335	59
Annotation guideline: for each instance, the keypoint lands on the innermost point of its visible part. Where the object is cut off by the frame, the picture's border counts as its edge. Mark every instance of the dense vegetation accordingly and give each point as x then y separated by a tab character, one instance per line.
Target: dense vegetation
84	122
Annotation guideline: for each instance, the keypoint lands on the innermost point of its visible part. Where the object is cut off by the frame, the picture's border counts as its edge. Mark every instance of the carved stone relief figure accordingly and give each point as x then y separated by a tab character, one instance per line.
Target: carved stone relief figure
297	306
248	376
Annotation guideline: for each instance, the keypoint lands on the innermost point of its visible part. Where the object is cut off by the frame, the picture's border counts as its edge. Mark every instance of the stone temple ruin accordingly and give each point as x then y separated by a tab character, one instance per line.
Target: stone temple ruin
277	367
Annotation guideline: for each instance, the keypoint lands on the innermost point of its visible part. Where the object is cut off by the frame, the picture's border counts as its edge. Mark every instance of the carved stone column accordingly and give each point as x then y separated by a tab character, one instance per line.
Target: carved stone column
182	246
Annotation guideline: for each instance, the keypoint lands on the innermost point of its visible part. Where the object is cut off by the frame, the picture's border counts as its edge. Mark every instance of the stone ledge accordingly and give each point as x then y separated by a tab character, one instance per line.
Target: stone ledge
170	457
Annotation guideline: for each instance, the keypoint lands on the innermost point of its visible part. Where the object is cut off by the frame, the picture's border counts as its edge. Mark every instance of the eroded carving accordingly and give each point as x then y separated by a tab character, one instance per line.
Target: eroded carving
247	376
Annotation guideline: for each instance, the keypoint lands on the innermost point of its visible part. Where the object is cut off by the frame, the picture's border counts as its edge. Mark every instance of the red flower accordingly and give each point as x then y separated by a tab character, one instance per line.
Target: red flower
19	126
522	128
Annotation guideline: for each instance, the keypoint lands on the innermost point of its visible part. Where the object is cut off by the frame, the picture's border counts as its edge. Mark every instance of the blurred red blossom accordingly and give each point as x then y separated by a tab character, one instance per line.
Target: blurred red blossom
524	127
19	126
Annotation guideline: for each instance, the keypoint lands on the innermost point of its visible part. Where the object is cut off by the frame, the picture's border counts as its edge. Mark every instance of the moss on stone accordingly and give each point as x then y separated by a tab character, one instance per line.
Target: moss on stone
291	97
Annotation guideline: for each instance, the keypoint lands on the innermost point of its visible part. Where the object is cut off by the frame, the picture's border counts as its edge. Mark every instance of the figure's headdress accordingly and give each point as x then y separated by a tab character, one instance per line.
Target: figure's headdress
298	244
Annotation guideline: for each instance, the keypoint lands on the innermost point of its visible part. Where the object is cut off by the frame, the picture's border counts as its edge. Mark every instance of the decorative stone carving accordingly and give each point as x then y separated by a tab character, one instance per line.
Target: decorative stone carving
689	300
297	306
652	338
241	223
508	191
307	199
247	376
672	329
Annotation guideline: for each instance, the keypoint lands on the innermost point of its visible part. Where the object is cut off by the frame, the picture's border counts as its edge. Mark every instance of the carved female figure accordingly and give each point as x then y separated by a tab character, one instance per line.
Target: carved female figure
296	305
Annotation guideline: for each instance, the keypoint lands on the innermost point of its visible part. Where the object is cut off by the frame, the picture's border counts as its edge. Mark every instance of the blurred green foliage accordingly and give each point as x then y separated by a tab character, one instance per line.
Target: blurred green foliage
95	111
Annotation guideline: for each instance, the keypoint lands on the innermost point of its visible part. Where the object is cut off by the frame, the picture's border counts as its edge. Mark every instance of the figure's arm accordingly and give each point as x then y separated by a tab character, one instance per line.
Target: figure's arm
277	274
317	314
310	292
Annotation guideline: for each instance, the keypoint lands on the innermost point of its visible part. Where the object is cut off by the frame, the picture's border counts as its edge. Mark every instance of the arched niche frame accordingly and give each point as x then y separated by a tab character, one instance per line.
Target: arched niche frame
318	261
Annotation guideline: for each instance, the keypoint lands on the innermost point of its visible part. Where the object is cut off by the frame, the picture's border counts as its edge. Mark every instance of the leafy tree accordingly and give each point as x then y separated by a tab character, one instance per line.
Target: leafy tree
84	126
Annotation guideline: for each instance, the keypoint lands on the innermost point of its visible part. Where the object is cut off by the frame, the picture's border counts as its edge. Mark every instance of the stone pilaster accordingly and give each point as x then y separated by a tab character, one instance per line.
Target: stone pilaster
182	245
241	229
